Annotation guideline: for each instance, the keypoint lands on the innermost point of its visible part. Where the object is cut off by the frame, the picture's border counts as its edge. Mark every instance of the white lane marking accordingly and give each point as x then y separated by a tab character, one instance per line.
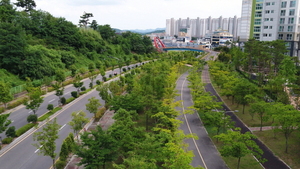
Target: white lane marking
38	149
51	100
12	121
30	111
62	127
188	125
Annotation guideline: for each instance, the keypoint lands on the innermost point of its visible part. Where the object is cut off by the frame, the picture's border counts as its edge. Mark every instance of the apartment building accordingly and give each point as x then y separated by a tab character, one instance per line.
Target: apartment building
268	20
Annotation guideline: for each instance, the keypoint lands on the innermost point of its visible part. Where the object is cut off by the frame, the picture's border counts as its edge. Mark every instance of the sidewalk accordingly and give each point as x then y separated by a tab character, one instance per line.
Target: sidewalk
105	122
258	128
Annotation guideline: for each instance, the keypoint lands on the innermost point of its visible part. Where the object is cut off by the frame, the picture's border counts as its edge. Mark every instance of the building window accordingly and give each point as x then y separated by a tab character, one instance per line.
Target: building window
289	36
258	14
256	36
292	12
259	6
256	28
268	3
280	36
283	4
265	35
282	20
270	34
267	11
272	11
282	13
271	19
281	28
291	21
290	28
292	4
257	21
266	27
267	19
273	3
270	27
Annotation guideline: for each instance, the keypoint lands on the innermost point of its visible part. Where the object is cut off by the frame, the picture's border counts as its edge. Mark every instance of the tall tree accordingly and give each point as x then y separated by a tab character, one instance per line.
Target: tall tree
35	99
78	121
238	145
28	5
4	122
96	149
84	19
5	95
46	140
93	105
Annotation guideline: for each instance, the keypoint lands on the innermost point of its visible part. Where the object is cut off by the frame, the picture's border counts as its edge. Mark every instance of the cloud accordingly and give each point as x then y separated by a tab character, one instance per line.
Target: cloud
95	2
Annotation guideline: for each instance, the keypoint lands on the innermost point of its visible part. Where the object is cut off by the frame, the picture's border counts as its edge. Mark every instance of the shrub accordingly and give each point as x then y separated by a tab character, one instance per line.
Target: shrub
100	112
110	76
25	128
98	82
7	140
32	118
69	100
124	69
63	100
74	94
91	85
104	79
136	65
50	107
16	103
64	151
128	68
11	132
83	88
60	164
2	109
84	92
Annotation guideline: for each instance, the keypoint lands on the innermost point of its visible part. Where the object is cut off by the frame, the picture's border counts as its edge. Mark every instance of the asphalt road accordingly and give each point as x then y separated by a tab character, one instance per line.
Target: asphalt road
206	154
23	155
18	115
272	161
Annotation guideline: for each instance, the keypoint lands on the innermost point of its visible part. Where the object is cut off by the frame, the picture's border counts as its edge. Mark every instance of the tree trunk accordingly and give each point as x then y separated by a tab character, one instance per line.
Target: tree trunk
239	160
261	121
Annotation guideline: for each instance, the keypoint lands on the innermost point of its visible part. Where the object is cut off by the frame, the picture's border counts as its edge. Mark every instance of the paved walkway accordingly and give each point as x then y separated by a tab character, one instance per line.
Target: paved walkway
263	128
105	122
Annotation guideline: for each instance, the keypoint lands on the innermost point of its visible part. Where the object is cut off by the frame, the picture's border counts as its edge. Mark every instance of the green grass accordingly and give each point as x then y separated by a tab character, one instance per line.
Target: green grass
277	145
46	115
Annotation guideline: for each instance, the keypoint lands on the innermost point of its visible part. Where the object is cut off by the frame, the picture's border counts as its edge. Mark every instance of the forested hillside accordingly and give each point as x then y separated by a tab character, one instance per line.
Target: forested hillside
35	44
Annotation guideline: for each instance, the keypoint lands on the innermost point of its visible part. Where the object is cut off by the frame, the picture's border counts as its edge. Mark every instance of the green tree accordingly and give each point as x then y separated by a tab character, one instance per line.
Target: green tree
46	140
11	132
93	105
84	19
28	5
94	25
32	118
4	122
96	149
77	84
78	121
238	145
104	93
35	100
5	95
261	108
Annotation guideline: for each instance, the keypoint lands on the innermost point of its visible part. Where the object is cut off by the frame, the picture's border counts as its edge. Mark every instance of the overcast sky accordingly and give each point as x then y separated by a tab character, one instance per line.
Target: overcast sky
139	14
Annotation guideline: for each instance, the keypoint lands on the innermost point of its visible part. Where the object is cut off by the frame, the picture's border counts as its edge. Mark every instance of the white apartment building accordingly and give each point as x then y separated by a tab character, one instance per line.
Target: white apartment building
199	27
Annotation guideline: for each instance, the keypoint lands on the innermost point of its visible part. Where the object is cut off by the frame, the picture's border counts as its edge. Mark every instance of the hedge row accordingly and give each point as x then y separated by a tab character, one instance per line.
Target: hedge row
25	128
45	116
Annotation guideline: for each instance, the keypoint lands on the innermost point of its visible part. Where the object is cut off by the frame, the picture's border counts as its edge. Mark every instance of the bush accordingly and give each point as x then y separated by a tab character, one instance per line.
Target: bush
110	76
2	109
69	100
7	140
124	69
100	112
32	118
60	164
16	103
83	88
136	65
128	68
91	85
74	94
63	100
84	92
11	132
50	107
25	128
98	82
64	151
104	79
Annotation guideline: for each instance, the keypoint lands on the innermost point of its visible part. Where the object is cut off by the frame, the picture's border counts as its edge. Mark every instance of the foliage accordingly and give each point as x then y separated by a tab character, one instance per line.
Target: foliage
7	140
32	118
238	145
50	107
24	129
78	121
93	105
63	100
96	149
74	94
60	164
11	132
5	95
45	116
46	139
4	122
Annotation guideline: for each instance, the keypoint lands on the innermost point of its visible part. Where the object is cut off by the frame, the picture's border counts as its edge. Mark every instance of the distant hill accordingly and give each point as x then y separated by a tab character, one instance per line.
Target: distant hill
146	31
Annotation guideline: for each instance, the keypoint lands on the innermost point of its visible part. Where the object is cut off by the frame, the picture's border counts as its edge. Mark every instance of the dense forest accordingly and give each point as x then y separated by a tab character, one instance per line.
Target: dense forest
35	44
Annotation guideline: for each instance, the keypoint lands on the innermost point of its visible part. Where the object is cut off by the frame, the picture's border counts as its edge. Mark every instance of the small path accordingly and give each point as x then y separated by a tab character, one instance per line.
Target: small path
263	128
